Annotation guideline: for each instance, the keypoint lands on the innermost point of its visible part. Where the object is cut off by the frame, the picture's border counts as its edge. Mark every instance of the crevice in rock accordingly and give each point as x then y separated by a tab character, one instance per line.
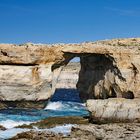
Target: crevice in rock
135	70
4	53
128	95
113	93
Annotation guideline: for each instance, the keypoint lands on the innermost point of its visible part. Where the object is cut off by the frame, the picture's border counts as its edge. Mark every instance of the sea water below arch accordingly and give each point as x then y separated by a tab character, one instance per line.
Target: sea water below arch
65	102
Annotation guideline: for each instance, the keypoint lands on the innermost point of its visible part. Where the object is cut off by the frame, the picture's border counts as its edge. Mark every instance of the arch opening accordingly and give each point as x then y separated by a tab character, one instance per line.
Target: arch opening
96	78
66	99
66	83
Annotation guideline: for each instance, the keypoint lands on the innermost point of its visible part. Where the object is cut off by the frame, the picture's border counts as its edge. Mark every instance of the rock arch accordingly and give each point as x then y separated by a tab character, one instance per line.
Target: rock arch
29	72
96	77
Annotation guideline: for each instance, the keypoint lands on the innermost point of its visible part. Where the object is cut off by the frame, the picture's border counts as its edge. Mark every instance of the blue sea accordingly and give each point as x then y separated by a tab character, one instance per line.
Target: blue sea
65	102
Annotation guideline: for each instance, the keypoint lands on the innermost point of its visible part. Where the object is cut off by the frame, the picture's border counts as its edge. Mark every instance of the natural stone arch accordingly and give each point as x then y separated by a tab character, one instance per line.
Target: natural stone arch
96	77
34	68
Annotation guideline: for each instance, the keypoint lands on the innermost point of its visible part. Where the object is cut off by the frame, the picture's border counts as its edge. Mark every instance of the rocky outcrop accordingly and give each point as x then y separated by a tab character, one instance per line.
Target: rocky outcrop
25	83
55	121
109	75
2	128
108	69
30	72
115	131
112	131
37	135
114	110
26	75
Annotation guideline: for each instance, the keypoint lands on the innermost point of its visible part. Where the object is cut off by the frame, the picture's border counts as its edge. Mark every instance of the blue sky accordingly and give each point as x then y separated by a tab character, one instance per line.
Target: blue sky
68	21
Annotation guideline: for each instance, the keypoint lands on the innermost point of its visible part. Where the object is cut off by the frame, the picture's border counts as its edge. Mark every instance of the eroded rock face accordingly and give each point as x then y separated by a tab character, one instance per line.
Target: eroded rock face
68	77
110	68
101	78
97	77
25	82
114	110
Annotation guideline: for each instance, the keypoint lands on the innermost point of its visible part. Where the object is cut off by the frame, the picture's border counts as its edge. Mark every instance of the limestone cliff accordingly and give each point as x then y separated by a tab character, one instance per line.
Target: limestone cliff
68	77
110	68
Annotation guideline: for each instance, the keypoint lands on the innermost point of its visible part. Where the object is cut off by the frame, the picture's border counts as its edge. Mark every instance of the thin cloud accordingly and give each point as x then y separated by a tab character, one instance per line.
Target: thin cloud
124	12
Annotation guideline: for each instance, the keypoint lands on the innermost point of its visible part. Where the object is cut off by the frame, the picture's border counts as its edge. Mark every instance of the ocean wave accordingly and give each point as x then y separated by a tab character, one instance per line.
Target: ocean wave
54	106
9	133
65	106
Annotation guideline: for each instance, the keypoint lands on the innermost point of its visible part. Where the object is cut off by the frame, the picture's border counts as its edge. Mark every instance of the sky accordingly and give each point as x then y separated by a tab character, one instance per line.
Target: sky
68	21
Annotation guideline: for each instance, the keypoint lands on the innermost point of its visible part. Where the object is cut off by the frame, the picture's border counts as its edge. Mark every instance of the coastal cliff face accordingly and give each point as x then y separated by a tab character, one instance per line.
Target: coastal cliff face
109	69
26	76
68	77
30	72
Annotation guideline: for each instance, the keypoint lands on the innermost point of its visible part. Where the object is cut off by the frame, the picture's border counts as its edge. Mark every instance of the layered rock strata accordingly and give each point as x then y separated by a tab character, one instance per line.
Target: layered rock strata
68	77
114	110
109	69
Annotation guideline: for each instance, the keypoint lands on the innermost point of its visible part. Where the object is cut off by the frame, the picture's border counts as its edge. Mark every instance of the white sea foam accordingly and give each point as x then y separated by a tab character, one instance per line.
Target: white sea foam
9	133
61	105
54	106
11	124
64	129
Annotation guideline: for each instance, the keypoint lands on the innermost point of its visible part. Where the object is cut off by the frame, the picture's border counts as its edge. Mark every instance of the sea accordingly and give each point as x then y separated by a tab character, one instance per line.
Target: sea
65	102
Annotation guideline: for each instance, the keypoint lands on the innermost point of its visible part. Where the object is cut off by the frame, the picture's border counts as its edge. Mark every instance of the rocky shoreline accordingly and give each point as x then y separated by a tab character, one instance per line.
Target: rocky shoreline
82	129
56	121
111	131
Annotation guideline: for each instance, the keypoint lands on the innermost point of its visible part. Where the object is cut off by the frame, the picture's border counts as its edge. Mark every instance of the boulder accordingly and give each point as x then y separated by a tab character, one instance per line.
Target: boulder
114	110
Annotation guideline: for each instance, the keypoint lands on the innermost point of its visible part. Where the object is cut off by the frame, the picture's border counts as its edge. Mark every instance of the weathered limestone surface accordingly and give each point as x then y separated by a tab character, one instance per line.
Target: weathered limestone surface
68	77
114	110
108	68
25	82
29	72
